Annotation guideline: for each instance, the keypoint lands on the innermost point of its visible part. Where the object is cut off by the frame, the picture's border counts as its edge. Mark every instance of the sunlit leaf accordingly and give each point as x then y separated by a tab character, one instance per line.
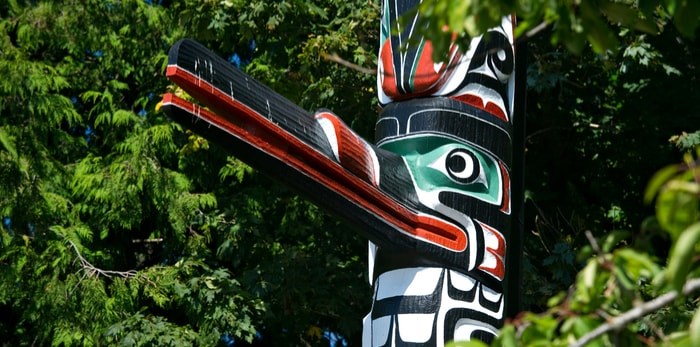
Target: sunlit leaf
681	256
658	180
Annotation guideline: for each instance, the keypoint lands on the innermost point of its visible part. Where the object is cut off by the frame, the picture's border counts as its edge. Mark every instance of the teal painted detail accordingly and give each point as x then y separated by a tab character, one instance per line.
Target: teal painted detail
385	26
412	78
439	163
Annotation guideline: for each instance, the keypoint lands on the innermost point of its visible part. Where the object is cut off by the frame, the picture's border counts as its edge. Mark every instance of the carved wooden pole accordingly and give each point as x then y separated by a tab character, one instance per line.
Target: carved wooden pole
433	196
452	123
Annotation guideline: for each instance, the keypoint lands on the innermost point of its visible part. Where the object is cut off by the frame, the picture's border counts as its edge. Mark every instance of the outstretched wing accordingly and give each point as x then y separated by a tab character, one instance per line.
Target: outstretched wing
316	154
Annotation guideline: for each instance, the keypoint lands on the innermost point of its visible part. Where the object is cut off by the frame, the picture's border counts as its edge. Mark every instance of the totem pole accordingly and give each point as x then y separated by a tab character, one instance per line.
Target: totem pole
451	122
433	196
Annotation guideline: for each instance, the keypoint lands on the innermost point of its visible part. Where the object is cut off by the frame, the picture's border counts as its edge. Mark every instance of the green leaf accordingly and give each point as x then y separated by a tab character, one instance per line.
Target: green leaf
658	180
632	266
615	214
694	329
8	142
613	238
628	16
506	337
647	7
598	32
470	343
581	325
686	17
676	208
686	141
541	331
681	256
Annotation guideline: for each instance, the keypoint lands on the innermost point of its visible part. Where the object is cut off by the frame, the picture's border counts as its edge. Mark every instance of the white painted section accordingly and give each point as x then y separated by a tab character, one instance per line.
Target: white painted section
404	282
375	164
329	130
367	330
380	330
490	294
371	255
465	327
461	281
416	327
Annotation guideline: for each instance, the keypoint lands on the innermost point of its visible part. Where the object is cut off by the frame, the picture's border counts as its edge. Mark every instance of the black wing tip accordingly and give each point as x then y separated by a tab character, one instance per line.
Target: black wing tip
174	52
183	117
170	110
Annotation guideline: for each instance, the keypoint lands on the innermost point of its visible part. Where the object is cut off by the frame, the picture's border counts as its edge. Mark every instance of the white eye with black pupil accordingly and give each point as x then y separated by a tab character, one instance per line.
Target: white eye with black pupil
462	166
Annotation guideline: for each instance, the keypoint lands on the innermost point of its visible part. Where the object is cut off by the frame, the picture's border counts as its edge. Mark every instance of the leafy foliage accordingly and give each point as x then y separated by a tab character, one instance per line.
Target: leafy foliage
120	227
623	296
574	23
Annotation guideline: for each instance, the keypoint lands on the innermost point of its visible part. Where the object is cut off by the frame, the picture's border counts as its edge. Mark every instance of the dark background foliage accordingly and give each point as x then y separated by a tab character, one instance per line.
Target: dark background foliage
121	227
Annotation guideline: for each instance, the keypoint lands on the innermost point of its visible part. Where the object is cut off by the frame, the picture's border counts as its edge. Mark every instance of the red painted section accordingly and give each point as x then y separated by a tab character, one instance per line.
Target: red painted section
505	205
243	122
444	234
499	253
478	102
389	85
426	80
353	151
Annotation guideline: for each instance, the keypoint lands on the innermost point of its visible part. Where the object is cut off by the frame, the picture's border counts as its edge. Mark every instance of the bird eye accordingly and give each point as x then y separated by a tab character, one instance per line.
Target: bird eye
462	166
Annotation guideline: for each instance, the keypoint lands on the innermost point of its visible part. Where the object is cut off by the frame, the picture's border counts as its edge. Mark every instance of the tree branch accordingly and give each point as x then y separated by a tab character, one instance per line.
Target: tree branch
534	31
622	320
158	240
593	242
334	57
92	271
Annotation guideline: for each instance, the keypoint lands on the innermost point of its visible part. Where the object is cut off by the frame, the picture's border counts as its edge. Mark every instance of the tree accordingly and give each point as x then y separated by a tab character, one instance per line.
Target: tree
618	273
119	227
574	23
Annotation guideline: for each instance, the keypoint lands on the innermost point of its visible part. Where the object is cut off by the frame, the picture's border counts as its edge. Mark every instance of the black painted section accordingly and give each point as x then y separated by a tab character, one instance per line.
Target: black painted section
514	251
395	179
446	117
366	223
201	62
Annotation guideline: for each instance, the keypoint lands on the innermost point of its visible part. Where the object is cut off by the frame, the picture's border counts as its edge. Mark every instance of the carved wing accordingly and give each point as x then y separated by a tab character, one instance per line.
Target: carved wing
317	154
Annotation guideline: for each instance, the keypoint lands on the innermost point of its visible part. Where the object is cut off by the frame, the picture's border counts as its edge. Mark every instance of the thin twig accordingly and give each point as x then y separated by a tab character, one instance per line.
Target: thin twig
158	240
334	57
534	31
593	242
642	310
92	271
546	130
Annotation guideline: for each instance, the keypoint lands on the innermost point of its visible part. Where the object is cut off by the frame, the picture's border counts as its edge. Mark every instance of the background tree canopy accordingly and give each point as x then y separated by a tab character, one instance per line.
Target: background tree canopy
120	227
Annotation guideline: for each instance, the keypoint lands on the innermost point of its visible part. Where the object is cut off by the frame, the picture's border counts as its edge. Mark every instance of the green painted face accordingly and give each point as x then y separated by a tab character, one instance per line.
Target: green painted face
440	163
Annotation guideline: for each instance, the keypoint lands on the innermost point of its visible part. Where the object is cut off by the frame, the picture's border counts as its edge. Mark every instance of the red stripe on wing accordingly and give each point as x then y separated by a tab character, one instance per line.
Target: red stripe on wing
245	123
